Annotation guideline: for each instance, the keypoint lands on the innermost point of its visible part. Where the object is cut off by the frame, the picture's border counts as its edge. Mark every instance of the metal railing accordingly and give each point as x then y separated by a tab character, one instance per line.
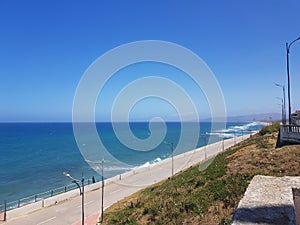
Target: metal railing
6	206
290	128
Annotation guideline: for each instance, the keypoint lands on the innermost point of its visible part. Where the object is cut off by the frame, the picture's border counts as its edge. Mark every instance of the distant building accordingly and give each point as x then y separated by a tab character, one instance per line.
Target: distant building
296	118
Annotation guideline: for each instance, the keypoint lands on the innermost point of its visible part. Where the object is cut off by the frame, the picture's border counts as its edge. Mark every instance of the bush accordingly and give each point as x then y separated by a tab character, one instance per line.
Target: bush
269	129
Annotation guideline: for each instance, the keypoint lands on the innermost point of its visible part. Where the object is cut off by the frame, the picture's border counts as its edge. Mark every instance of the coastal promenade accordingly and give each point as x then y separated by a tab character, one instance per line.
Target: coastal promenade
66	209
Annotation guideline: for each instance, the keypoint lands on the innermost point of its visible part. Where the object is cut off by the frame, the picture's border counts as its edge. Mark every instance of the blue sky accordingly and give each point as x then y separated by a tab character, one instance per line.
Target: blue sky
46	46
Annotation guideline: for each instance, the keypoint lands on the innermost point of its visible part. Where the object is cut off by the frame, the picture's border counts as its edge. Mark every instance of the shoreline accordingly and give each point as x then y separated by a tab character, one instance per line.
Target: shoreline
49	156
134	179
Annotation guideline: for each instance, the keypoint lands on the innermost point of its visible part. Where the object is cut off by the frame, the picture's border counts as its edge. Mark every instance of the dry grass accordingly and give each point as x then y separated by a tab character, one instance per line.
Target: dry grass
271	161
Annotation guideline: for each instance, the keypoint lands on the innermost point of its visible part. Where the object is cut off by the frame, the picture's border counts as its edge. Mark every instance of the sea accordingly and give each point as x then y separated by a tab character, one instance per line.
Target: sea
34	156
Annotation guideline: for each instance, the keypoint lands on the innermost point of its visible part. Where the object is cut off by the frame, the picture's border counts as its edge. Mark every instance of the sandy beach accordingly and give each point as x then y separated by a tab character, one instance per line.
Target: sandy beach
66	208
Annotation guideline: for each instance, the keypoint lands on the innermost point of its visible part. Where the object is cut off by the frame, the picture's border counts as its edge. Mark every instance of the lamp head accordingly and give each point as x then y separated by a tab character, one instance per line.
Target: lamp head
66	174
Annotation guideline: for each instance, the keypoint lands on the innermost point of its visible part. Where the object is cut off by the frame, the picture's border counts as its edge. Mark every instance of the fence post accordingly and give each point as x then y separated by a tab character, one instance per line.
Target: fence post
18	203
35	198
51	193
4	216
65	188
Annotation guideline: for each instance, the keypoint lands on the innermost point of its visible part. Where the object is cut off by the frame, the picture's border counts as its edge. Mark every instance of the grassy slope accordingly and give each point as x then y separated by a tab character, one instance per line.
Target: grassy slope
210	196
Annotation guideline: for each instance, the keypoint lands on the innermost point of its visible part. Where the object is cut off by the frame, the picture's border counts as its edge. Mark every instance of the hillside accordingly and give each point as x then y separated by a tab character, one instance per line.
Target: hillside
210	196
266	117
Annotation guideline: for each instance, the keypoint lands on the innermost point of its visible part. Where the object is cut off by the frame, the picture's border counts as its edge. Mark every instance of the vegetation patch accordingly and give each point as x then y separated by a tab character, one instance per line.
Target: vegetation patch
209	196
270	129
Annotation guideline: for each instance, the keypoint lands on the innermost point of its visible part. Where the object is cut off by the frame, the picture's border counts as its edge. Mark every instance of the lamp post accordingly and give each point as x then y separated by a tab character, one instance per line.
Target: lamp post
102	195
204	144
172	154
100	218
288	46
283	104
81	190
282	108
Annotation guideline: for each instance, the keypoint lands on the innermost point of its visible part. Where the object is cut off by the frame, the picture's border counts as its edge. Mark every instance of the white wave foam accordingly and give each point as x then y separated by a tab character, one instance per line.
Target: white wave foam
245	127
144	165
111	168
157	160
117	168
221	134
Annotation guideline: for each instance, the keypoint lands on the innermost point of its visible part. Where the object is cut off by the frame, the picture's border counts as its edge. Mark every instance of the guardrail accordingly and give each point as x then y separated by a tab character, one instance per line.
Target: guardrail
7	206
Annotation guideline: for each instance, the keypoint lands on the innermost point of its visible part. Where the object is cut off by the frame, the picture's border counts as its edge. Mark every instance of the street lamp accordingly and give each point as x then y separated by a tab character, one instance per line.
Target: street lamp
288	46
172	154
102	193
282	108
283	104
81	190
100	218
205	148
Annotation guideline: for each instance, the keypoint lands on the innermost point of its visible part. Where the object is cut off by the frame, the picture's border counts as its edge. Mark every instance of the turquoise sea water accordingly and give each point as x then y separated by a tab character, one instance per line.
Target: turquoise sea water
35	155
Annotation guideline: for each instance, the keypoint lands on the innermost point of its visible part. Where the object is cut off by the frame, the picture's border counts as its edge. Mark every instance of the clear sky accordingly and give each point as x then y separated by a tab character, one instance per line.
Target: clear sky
46	46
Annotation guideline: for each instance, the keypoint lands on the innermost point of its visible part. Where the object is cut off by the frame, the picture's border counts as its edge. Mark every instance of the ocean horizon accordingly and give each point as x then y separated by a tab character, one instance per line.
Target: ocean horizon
34	155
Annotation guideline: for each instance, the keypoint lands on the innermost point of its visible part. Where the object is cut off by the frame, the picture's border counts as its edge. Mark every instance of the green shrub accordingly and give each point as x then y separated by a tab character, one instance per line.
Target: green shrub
270	129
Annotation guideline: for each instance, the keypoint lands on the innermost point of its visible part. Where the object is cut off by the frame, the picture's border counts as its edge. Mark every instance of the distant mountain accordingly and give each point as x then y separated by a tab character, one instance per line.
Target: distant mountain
266	117
256	117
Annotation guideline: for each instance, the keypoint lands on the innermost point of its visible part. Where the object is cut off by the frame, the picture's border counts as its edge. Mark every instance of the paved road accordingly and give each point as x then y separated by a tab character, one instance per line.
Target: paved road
55	215
69	211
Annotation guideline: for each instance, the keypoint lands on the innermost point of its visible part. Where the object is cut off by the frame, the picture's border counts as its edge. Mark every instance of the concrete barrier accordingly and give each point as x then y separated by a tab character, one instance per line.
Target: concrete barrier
268	200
